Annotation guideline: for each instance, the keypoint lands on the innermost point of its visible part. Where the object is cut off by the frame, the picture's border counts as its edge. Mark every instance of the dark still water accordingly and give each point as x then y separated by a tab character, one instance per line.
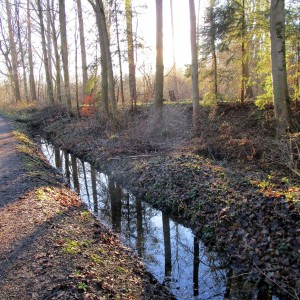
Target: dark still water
169	250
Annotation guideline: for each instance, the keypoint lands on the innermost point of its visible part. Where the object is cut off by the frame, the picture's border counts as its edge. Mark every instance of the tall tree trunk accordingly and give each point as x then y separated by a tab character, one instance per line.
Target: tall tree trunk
215	69
279	74
194	51
30	56
173	51
14	55
246	88
64	50
159	75
298	69
130	50
46	63
49	40
213	46
243	79
57	58
249	88
76	69
119	54
111	80
82	46
21	51
104	77
243	74
107	77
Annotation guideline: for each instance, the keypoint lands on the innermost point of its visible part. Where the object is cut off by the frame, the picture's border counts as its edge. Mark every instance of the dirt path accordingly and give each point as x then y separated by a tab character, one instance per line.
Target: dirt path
13	180
22	224
51	247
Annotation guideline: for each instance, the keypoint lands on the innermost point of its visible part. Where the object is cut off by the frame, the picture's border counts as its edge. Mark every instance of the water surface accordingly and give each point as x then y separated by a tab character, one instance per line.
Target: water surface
169	250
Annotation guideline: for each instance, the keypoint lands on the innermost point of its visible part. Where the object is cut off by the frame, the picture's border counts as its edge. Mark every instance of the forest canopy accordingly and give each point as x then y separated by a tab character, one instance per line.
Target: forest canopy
94	52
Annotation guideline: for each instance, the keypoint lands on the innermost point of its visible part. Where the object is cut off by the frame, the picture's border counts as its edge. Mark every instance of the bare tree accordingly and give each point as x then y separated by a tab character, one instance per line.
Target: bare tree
104	77
30	56
48	33
111	80
119	53
159	75
82	45
76	67
21	50
64	50
14	55
45	54
56	55
173	53
130	51
107	78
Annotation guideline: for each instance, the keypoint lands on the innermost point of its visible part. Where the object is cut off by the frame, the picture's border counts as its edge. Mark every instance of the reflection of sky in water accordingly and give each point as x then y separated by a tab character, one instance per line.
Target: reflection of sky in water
149	233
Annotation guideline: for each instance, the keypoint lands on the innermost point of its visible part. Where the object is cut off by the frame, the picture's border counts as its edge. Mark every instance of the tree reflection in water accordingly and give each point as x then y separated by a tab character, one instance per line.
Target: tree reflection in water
75	173
167	247
170	251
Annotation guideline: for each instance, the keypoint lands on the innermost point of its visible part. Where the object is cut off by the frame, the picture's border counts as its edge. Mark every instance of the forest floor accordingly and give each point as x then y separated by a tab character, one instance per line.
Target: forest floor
233	182
51	246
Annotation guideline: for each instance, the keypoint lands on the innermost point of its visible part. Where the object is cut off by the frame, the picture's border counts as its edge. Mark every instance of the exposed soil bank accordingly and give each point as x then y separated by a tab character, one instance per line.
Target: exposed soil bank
250	214
51	247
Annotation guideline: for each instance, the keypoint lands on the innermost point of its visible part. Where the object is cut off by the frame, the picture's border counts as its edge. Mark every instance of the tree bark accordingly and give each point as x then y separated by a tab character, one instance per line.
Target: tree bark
159	75
21	51
107	77
104	77
57	58
119	55
246	88
298	69
194	52
46	63
14	55
76	69
30	56
213	46
173	52
130	51
243	79
279	74
64	50
49	40
82	46
5	50
111	80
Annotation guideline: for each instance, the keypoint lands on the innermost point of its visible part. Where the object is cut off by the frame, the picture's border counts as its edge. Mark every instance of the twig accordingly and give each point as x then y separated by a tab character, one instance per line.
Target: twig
130	157
263	273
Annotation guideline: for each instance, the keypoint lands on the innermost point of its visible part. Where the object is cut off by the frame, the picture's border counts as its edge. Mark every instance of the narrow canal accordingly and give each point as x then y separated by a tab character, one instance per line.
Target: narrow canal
169	250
